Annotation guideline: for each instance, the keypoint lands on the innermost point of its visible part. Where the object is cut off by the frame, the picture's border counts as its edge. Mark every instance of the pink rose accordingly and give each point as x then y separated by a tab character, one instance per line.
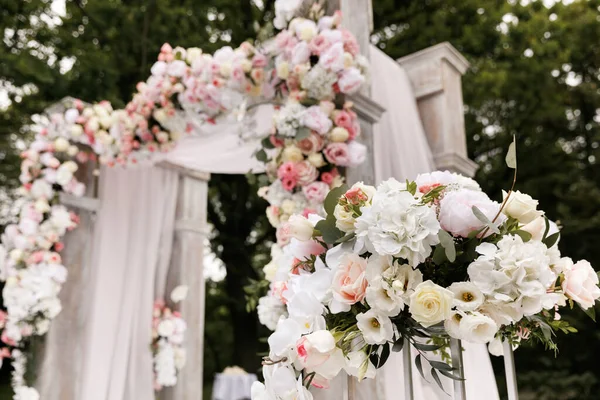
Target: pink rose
333	58
329	177
287	170
349	282
319	44
301	53
289	183
311	144
306	173
316	191
343	119
314	118
337	153
581	283
350	43
259	61
350	81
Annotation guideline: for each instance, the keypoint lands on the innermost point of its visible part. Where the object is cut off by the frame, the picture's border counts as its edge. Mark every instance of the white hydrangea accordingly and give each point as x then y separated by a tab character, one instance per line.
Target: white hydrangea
287	120
284	12
164	365
514	276
318	83
397	224
270	310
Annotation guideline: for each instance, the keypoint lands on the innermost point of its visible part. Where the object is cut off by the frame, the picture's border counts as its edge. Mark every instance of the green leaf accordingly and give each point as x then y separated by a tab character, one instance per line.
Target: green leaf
451	376
332	198
551	240
330	233
346	238
482	217
447	242
590	312
440	365
261	155
526	236
411	187
302	133
398	345
439	255
511	155
385	354
266	143
437	380
419	366
427	347
547	228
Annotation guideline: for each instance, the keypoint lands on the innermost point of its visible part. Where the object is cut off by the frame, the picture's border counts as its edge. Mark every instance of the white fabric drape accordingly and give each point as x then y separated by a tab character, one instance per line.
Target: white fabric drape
137	214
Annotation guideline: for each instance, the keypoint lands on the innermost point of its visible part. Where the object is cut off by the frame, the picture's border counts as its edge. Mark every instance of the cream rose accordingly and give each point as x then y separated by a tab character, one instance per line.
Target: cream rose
430	303
581	283
349	284
292	153
344	219
339	134
521	207
300	227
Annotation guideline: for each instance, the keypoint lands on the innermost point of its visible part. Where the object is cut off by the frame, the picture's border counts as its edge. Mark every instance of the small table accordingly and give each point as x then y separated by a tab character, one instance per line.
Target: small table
233	387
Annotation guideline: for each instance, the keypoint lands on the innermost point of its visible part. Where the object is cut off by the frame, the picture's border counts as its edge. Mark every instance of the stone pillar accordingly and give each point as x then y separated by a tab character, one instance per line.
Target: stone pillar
436	75
186	268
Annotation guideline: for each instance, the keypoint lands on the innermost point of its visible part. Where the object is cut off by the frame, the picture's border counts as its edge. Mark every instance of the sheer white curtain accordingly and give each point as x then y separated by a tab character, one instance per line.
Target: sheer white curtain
136	218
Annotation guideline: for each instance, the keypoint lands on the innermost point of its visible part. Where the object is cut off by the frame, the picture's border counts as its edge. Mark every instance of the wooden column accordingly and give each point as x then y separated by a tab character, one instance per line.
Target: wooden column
436	75
186	268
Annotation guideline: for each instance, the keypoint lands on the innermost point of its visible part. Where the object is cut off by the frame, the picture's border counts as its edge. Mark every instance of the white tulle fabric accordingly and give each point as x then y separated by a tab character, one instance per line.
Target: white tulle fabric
137	215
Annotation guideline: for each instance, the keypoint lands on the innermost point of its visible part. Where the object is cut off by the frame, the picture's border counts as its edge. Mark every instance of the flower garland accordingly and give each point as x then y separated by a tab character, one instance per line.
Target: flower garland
416	262
168	333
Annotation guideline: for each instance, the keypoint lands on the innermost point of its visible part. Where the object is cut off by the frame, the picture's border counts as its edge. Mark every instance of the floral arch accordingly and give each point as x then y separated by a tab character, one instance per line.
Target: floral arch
307	69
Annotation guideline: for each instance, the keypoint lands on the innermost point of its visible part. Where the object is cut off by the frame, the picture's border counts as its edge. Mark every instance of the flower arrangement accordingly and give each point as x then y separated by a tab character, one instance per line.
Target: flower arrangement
416	262
168	333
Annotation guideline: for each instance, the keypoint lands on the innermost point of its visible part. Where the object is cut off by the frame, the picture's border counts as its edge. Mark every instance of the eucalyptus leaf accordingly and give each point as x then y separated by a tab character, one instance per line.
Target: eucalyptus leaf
330	233
447	242
450	375
440	365
511	155
483	218
547	221
419	366
427	347
346	238
439	255
332	198
302	133
266	143
261	155
385	354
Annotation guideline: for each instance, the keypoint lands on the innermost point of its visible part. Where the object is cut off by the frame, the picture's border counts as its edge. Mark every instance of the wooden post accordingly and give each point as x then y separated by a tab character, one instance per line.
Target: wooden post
460	391
510	372
186	268
436	74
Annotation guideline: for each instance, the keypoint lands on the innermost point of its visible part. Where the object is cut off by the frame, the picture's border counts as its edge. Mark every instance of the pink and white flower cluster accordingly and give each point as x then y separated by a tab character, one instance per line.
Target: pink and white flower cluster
435	257
168	333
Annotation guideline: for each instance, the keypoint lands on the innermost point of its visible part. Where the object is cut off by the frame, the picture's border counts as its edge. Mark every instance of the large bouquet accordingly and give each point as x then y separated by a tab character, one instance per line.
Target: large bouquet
416	262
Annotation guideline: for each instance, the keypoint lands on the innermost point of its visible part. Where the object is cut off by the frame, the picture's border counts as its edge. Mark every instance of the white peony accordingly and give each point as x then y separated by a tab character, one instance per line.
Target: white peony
430	303
521	207
398	225
375	327
166	328
41	189
467	297
179	293
456	212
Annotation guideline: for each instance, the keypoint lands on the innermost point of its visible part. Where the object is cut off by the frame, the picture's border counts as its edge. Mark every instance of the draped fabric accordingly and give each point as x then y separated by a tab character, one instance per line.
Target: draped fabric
137	215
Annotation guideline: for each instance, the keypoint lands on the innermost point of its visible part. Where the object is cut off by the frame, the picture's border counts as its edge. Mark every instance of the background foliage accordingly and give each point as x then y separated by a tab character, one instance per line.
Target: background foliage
535	73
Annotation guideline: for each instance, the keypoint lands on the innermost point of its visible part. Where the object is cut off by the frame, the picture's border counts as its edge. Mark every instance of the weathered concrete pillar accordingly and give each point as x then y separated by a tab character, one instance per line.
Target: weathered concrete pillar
436	75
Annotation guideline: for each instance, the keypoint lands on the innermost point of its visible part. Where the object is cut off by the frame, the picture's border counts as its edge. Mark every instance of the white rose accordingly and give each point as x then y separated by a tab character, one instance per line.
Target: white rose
300	227
63	175
166	328
430	303
467	297
192	54
521	207
61	144
72	151
292	153
536	228
288	206
376	328
477	328
316	159
41	189
339	134
179	293
344	219
76	131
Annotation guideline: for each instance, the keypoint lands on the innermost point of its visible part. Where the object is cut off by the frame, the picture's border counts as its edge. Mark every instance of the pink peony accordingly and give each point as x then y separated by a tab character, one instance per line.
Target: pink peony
301	53
456	213
316	191
319	44
314	118
350	81
350	43
337	153
333	58
581	283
